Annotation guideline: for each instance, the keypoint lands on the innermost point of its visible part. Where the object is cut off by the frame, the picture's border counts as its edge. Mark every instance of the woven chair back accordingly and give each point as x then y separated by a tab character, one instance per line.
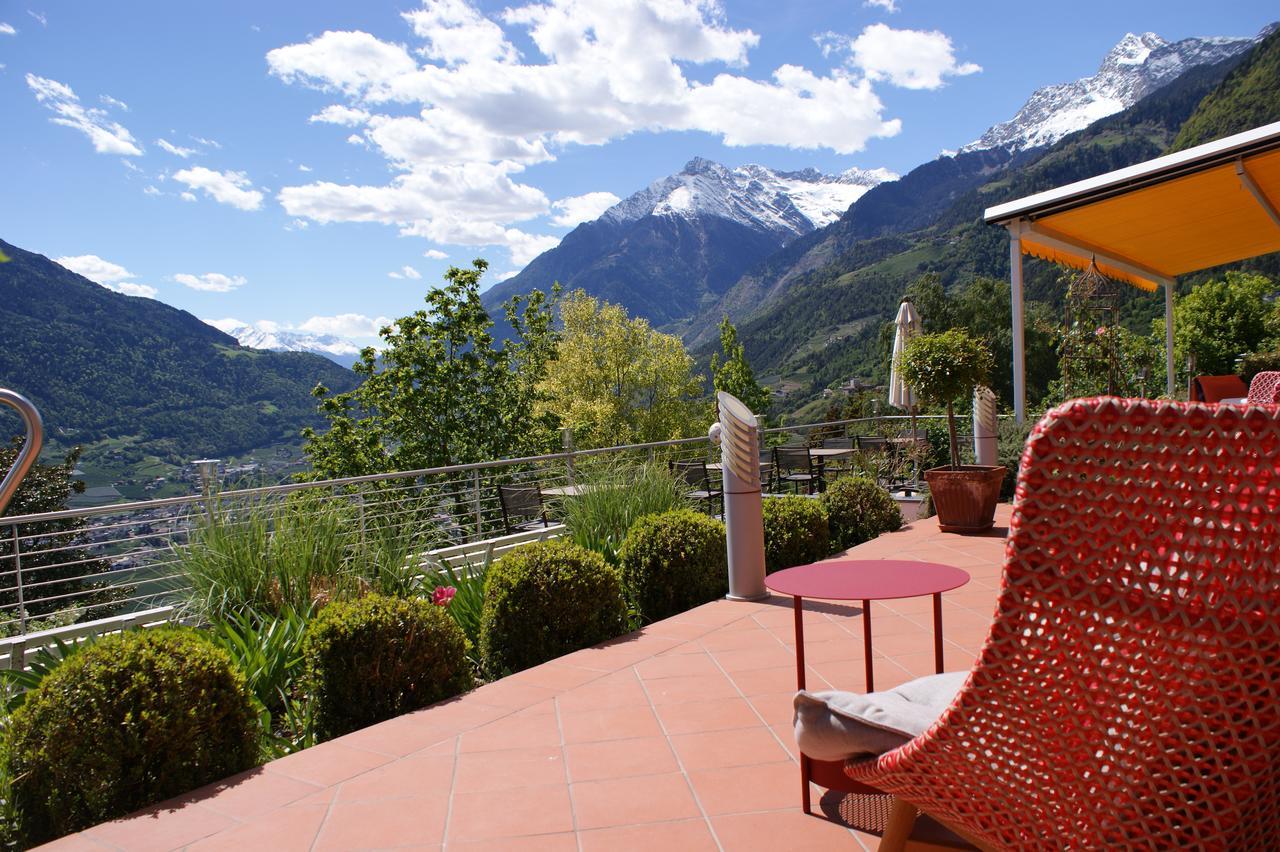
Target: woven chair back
1264	389
691	473
1128	695
520	501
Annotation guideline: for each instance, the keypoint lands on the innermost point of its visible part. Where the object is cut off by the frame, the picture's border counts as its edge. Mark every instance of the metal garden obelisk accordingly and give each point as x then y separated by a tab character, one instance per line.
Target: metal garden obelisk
744	524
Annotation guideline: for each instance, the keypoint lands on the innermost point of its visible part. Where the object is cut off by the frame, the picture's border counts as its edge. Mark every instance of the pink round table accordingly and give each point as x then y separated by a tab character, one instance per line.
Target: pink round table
864	580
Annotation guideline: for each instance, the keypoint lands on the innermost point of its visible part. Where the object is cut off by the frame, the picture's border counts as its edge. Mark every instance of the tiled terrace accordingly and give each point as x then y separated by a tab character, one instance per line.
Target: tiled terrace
677	737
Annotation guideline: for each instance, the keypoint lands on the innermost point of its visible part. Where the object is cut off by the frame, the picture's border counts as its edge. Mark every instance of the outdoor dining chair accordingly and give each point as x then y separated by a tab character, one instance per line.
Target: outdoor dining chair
797	466
835	467
1264	388
1128	694
695	476
522	508
1217	388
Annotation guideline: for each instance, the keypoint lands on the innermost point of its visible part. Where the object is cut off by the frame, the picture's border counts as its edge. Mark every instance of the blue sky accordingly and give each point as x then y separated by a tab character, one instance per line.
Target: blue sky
300	163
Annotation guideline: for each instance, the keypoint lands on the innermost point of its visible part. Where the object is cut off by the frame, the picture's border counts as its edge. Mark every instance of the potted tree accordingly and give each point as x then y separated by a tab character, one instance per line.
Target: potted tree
942	368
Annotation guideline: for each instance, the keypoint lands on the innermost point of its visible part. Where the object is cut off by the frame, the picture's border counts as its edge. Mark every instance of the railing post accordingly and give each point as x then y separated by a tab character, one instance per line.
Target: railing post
17	579
475	486
360	510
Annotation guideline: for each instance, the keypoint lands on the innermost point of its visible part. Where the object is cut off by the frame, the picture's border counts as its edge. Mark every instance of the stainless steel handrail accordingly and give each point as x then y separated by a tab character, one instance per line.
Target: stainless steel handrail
30	447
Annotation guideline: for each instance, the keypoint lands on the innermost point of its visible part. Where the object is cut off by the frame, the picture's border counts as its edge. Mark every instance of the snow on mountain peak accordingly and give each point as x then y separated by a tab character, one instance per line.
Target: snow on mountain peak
337	349
789	203
1135	67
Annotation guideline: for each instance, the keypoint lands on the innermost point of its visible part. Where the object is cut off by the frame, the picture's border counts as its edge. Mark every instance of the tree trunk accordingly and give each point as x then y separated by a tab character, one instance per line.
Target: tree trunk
951	433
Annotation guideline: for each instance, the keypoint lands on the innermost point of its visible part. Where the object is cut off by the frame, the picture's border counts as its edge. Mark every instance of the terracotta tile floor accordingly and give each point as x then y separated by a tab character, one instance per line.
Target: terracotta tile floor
677	737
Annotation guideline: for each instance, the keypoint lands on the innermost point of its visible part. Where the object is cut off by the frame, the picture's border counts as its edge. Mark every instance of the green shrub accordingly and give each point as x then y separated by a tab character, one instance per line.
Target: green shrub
1011	441
368	660
673	562
135	719
614	496
858	510
1258	362
547	599
795	532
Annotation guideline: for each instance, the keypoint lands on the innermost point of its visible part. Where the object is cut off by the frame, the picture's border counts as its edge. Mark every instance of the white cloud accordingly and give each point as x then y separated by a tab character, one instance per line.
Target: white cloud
912	59
345	325
596	72
228	187
175	150
503	276
406	272
302	167
132	288
582	208
208	143
188	196
211	282
7	29
151	190
298	225
39	16
226	325
108	137
130	165
113	102
95	268
434	254
339	114
887	5
113	276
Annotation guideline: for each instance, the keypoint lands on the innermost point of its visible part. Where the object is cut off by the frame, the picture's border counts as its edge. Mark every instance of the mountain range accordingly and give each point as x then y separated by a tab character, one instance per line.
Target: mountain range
670	251
337	349
133	377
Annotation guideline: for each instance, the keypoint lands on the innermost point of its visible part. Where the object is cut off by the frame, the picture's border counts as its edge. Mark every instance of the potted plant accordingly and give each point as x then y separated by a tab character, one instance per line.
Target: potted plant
942	368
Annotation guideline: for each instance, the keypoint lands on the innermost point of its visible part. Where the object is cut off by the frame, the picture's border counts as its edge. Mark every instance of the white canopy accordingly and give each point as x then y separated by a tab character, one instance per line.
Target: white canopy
908	326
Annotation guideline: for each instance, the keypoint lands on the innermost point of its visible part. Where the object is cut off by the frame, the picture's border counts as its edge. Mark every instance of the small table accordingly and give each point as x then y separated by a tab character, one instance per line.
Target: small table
864	580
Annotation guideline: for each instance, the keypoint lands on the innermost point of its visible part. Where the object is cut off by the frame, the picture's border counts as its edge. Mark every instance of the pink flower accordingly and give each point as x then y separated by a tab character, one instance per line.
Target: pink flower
1100	330
443	595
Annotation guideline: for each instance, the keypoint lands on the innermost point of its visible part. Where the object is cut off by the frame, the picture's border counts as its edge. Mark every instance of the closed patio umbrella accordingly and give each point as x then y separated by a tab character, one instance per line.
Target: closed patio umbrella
907	326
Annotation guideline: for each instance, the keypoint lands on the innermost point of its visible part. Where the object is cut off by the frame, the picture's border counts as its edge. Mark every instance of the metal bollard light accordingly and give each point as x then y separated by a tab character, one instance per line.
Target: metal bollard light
739	437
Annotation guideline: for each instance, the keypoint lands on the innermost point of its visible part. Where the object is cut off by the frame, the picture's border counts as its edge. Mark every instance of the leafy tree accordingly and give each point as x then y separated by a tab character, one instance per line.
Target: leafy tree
615	380
734	375
944	367
440	391
58	577
1219	321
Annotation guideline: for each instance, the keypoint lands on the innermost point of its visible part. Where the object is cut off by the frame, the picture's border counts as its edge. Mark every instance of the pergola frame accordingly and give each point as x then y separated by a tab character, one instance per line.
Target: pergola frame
1031	223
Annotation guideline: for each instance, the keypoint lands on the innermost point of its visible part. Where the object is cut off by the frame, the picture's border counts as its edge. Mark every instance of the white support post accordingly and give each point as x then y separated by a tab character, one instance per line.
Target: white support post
1015	292
1168	337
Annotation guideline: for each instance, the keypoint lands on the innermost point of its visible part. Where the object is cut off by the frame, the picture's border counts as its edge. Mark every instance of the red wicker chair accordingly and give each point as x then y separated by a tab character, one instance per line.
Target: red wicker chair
1128	695
1264	389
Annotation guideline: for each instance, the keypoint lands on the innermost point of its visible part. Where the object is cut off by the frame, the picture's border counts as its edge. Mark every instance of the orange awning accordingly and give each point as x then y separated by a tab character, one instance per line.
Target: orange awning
1150	223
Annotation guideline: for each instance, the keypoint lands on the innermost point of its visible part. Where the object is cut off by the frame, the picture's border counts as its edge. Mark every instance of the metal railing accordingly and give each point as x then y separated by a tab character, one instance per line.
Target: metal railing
94	563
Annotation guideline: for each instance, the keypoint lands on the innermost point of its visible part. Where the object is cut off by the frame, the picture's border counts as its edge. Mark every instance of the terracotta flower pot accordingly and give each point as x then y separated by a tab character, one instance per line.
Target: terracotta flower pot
965	497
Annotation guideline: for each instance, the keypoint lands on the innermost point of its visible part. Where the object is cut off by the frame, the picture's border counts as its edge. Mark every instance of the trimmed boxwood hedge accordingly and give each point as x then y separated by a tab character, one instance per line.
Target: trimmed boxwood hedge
544	600
378	657
672	562
858	510
795	532
135	719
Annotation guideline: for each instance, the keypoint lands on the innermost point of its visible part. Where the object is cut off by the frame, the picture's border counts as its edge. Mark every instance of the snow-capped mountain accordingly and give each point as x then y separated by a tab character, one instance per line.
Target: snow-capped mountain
669	251
1135	67
337	349
784	203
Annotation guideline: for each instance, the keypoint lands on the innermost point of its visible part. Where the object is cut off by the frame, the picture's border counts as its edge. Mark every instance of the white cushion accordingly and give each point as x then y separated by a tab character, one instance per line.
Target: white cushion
840	725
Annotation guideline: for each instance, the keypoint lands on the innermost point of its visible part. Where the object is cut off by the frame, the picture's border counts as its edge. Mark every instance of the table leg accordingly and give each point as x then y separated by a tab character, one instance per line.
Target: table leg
937	632
866	644
805	771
